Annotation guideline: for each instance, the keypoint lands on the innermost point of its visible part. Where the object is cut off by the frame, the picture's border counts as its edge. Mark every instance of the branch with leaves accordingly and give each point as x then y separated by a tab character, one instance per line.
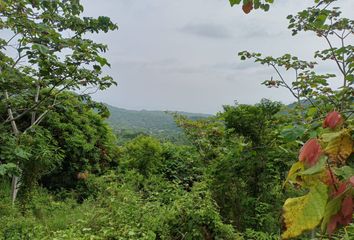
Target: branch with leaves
52	55
324	172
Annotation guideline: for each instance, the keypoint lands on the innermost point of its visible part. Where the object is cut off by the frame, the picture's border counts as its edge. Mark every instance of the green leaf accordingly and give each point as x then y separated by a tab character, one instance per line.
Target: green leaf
320	20
102	61
319	167
233	2
311	111
328	137
293	172
8	169
350	78
19	152
306	212
41	48
266	7
292	133
345	172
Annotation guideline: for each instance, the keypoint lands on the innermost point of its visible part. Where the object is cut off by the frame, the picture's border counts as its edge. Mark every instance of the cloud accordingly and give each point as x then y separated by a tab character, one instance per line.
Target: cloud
207	30
235	66
143	64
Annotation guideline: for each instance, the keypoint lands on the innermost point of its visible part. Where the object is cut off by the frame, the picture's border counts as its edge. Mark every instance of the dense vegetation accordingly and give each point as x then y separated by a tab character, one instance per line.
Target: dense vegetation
128	124
63	174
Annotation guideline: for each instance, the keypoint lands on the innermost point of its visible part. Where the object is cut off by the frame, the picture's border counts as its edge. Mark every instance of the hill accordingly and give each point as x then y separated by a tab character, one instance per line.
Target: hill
130	123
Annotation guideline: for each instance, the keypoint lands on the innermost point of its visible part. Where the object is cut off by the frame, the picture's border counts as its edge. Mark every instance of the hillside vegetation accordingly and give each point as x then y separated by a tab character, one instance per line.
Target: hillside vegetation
263	171
130	123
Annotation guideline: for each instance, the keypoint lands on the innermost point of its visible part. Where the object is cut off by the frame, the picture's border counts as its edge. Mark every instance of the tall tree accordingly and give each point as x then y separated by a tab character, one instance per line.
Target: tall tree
46	53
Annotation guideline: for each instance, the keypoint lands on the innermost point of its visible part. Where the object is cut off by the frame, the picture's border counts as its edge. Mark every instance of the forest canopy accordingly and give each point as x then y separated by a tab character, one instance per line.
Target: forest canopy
261	171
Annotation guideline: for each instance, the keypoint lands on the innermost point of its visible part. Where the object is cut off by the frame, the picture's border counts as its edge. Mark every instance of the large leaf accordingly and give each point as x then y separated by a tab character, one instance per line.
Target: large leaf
306	177
292	133
328	137
319	167
339	146
344	172
306	212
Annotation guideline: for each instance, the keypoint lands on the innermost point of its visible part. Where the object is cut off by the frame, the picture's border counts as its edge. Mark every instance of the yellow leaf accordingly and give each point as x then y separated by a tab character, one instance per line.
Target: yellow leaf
294	170
339	147
304	213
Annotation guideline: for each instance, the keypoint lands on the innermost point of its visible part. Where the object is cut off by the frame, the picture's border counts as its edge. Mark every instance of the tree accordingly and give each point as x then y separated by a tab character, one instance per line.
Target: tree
46	54
323	170
206	135
87	143
308	86
143	154
246	181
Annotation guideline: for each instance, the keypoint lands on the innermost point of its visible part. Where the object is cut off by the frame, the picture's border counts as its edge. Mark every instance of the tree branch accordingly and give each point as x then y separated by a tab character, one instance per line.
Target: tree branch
334	56
283	81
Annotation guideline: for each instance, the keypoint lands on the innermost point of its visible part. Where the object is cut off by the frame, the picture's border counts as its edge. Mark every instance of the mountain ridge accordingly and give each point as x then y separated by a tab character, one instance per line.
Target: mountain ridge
130	123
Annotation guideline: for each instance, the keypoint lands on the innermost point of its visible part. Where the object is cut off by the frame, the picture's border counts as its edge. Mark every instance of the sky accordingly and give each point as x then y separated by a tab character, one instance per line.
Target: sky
182	55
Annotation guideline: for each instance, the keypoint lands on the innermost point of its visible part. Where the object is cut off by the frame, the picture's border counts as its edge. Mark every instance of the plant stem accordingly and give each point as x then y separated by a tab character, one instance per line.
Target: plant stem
331	174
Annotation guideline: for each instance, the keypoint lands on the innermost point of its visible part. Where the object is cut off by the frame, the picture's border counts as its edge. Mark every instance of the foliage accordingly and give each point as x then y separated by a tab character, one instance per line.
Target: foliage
118	212
247	180
206	135
47	53
142	154
227	182
87	142
181	165
251	122
307	84
248	5
328	201
128	124
8	169
330	198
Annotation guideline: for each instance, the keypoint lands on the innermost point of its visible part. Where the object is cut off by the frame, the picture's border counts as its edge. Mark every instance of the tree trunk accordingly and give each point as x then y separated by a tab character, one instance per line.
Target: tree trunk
15	183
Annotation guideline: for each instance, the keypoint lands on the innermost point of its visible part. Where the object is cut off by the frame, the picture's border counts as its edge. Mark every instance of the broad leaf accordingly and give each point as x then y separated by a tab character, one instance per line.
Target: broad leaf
344	172
306	212
319	167
339	148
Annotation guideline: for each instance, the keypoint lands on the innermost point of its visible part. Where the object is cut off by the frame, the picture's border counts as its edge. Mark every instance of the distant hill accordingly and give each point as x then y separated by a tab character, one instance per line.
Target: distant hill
130	123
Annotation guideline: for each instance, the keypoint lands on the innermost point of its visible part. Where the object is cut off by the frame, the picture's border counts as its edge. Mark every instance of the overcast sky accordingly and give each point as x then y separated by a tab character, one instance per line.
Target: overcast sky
182	55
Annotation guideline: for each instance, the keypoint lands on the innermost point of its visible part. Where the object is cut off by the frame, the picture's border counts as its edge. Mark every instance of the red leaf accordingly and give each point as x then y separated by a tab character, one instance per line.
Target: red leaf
347	207
351	180
345	220
340	190
247	7
332	225
330	179
310	152
332	120
344	216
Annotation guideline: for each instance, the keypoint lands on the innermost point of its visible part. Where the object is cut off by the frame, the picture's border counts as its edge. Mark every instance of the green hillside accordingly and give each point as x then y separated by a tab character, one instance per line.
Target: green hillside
130	123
